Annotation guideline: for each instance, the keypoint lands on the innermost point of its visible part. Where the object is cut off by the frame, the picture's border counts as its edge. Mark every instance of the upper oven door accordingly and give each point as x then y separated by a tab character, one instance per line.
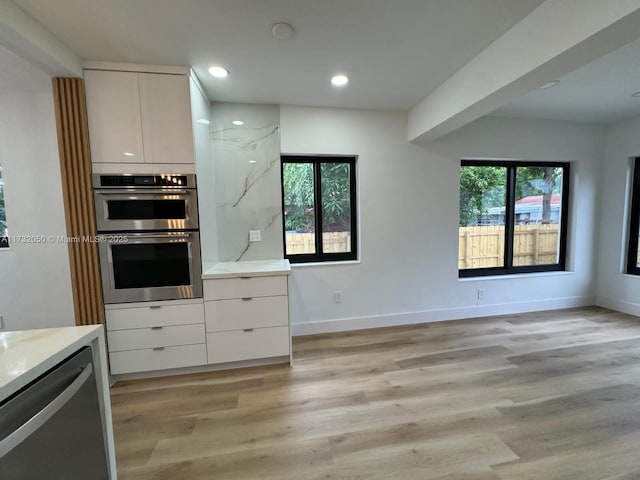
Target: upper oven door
145	209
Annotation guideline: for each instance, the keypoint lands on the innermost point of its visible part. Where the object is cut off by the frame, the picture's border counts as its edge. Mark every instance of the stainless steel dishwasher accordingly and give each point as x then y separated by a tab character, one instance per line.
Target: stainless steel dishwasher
52	428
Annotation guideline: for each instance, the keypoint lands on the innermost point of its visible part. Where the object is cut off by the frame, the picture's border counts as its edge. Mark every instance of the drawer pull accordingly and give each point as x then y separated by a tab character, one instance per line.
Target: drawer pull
155	307
245	278
157	328
247	299
247	329
158	349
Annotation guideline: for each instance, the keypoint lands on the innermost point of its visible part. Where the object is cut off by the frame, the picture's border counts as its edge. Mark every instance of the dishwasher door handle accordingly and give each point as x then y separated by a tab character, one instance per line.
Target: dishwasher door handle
39	419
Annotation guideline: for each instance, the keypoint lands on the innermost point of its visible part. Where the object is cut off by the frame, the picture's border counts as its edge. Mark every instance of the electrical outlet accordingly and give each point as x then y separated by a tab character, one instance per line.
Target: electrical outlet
480	294
255	236
337	296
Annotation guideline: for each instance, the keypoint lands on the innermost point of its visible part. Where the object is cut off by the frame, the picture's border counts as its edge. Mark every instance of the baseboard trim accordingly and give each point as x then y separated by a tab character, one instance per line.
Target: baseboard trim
439	315
619	305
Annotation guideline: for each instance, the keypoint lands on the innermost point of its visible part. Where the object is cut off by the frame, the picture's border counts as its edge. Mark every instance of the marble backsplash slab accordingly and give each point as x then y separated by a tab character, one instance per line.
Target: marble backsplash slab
247	179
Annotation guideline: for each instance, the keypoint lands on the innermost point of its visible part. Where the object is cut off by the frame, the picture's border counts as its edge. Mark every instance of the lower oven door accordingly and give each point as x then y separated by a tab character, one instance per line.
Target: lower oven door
139	267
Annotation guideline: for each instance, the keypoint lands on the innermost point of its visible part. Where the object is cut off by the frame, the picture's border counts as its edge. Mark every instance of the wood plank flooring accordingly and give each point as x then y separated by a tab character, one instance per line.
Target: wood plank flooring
549	395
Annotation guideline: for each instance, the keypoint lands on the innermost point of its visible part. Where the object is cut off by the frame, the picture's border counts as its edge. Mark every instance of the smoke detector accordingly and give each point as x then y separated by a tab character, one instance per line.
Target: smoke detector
282	31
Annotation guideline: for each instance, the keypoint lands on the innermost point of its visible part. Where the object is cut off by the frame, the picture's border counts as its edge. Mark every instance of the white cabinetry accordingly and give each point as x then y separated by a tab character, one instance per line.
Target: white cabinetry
248	344
113	110
246	312
158	336
244	318
139	117
166	118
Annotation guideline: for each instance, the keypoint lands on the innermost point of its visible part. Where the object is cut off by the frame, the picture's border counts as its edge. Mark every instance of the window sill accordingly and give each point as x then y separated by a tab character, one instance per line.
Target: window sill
630	275
514	275
324	264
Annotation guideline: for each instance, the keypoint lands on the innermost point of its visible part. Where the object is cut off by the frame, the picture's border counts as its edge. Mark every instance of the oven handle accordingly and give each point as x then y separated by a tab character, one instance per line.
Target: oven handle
158	235
141	192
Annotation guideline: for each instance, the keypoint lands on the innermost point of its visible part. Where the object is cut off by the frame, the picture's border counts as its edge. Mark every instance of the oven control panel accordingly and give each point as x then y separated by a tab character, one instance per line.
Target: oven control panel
142	181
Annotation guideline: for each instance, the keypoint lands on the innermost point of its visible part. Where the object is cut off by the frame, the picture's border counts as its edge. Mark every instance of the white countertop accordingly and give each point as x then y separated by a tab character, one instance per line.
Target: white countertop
257	268
27	354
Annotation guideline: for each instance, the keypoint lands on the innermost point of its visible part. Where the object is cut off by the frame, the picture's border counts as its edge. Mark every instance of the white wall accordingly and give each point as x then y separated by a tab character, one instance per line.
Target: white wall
35	282
616	289
408	207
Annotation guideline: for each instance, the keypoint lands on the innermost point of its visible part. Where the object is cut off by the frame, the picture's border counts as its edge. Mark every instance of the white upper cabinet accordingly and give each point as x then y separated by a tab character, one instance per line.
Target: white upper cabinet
113	110
139	117
166	118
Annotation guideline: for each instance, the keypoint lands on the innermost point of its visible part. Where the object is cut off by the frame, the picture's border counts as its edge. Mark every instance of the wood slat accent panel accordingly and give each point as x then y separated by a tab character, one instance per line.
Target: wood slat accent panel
75	166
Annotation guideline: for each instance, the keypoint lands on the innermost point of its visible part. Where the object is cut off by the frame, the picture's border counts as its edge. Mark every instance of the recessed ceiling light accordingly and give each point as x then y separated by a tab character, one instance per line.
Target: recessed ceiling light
218	71
550	84
637	94
339	80
238	122
203	121
253	161
129	154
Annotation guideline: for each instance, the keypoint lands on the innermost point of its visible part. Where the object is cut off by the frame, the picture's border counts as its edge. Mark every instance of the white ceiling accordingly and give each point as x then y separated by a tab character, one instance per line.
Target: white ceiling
396	52
598	92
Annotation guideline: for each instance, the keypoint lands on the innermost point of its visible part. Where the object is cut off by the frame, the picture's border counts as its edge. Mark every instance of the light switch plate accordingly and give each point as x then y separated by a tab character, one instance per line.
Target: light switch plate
254	236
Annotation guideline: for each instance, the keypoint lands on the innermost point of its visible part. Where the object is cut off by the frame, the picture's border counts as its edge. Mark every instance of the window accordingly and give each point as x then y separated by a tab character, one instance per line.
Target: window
318	201
633	260
513	217
4	235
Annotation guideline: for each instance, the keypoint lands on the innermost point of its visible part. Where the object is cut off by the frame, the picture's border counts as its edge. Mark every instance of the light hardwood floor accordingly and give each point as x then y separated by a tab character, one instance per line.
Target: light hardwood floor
545	396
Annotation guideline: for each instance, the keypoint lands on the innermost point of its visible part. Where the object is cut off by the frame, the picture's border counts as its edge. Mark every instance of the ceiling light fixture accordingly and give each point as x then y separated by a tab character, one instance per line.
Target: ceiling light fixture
239	123
339	80
218	71
282	31
550	84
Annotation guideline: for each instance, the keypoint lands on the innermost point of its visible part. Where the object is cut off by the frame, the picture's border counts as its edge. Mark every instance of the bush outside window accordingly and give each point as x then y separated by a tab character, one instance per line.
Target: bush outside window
318	200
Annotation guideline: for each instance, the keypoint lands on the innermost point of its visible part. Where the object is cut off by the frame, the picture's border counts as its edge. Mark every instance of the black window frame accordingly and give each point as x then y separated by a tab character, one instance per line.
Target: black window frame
317	161
510	204
634	222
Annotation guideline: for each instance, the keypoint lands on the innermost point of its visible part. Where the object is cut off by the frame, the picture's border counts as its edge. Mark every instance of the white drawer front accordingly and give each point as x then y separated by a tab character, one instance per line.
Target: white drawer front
224	288
242	345
256	312
142	317
149	359
139	338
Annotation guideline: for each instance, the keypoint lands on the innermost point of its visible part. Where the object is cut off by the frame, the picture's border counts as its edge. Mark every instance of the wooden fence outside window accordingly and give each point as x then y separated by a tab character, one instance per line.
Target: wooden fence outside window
483	246
333	242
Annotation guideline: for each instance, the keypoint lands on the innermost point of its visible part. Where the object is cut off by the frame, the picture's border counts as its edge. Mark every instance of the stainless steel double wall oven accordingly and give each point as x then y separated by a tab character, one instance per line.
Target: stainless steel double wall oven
149	240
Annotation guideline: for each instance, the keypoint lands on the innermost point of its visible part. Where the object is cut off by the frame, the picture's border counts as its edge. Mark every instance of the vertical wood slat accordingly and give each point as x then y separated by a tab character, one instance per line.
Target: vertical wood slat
75	167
